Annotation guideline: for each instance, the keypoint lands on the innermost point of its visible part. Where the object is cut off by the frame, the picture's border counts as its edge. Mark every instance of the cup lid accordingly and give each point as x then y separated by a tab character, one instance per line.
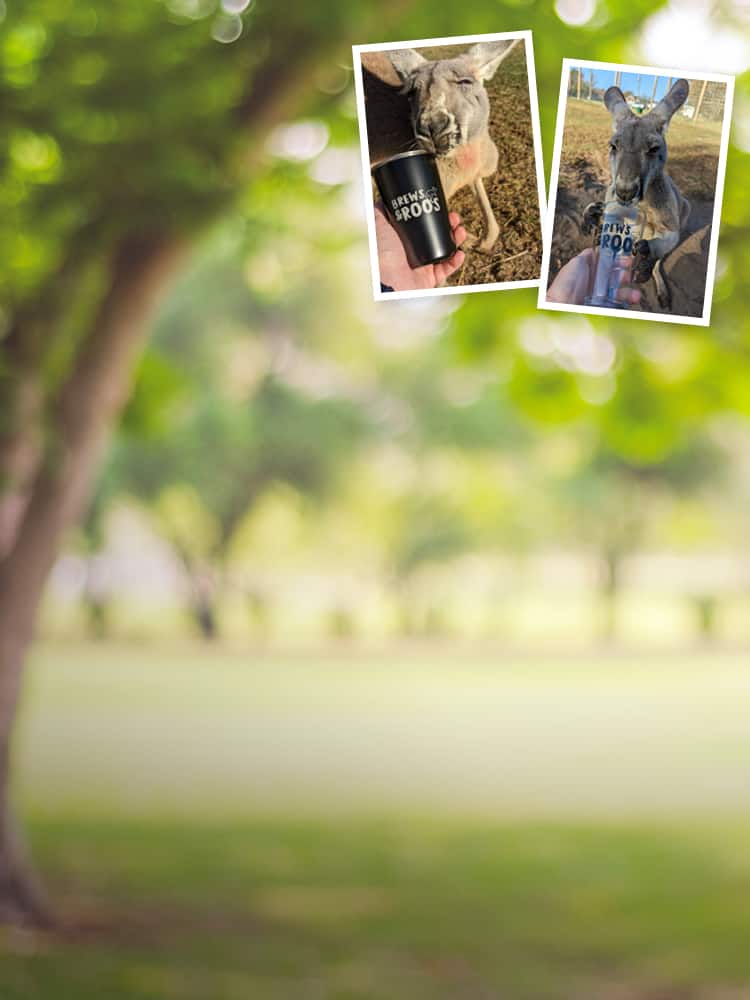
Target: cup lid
401	156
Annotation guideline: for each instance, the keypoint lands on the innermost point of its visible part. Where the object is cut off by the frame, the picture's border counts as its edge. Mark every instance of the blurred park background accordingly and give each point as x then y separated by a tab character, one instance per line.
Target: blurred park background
385	650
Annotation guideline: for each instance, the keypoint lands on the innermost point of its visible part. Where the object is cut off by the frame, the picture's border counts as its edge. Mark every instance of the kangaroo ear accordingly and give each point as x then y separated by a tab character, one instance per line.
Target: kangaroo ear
662	113
615	103
405	61
485	57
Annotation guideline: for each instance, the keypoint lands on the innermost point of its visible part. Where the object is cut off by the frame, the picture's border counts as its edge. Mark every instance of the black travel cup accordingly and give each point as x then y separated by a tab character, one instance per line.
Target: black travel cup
415	203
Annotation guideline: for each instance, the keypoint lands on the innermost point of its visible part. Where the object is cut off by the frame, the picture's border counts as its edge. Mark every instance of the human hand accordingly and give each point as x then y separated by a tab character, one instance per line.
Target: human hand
394	267
572	283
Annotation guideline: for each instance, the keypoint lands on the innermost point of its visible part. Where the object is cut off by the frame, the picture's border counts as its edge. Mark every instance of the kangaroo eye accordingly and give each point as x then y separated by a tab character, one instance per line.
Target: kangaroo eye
466	83
654	149
613	147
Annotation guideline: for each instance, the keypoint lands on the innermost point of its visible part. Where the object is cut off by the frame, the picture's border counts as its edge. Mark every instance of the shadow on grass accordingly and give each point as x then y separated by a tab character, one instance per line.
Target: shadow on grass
388	910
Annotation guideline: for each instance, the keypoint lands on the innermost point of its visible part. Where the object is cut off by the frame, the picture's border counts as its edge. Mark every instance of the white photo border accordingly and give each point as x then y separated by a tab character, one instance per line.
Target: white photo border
705	318
357	50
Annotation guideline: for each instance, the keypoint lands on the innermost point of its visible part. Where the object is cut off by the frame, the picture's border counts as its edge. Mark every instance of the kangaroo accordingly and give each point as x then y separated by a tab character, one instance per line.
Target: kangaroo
637	155
450	114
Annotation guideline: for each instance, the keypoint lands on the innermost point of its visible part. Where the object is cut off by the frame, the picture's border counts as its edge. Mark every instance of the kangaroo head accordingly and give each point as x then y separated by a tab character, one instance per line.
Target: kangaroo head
638	148
449	105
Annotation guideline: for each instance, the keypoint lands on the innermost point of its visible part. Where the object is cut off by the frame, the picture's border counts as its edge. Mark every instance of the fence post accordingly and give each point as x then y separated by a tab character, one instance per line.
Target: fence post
578	95
700	101
653	92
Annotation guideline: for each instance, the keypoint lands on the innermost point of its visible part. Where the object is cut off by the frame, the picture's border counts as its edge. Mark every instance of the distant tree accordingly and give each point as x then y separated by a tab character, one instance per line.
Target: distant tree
201	480
611	502
639	430
427	530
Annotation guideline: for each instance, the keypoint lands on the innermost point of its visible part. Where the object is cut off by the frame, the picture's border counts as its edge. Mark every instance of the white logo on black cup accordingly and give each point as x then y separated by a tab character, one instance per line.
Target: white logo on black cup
415	204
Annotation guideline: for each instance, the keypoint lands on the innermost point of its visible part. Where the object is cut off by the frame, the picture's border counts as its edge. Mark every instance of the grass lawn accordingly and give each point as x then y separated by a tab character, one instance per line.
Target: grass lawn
354	826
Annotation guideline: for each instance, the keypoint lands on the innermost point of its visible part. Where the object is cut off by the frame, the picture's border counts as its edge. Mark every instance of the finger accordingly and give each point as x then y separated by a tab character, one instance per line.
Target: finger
572	281
459	235
454	219
446	268
629	295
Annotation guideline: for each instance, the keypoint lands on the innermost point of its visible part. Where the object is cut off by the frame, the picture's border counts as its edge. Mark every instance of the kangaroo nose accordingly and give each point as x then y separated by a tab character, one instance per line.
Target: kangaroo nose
433	126
626	191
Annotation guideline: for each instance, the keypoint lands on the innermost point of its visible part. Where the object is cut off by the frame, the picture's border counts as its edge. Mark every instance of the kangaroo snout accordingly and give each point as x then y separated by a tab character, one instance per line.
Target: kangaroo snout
437	129
626	190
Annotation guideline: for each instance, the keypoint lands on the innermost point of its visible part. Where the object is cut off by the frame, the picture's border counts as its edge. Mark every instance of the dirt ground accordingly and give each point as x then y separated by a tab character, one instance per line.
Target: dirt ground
693	159
512	190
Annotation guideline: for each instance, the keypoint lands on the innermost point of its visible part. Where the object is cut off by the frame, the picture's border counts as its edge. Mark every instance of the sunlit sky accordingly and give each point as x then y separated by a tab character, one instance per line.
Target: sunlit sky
640	84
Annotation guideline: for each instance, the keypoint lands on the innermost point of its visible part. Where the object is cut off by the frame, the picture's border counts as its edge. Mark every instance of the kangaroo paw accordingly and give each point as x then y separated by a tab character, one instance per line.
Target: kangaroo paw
592	217
643	262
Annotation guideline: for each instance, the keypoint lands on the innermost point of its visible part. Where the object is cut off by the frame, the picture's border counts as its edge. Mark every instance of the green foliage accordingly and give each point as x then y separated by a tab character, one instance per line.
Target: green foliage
106	128
159	392
133	116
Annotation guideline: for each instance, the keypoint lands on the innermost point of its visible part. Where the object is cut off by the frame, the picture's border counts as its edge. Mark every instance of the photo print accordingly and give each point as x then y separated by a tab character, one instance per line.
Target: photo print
451	154
635	198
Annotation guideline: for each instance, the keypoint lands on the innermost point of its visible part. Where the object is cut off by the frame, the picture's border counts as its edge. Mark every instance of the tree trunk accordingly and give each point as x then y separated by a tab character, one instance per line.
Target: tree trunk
204	615
95	602
22	393
86	406
20	448
610	591
23	900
